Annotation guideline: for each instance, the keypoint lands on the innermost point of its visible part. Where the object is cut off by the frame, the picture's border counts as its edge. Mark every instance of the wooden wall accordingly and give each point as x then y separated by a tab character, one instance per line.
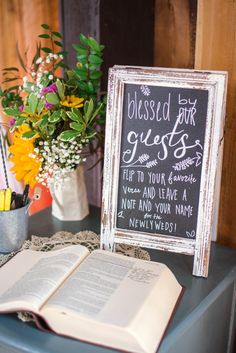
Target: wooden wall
20	23
175	27
216	50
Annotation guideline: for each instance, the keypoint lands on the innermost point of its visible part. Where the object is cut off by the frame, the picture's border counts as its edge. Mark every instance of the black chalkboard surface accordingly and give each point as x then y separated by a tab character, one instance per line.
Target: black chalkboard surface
162	142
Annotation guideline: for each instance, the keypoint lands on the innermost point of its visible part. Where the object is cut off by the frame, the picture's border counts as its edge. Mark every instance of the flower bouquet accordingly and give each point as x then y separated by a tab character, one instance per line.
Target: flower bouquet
54	112
54	116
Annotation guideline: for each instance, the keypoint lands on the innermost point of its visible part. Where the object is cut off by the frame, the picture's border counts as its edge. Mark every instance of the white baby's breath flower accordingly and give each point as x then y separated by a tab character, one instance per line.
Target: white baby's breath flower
39	60
50	77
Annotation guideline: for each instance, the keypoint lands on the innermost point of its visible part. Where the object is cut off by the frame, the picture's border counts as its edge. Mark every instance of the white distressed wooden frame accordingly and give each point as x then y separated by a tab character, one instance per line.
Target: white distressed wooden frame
213	81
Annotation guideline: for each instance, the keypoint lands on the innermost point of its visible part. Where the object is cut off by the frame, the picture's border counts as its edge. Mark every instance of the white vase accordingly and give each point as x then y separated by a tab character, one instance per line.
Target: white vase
69	198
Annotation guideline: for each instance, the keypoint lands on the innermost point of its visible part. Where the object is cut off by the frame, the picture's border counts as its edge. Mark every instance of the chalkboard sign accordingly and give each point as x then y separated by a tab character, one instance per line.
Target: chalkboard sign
163	138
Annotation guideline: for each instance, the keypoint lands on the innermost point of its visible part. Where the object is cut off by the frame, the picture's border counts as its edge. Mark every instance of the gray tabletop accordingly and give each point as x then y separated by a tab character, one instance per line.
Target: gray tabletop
199	297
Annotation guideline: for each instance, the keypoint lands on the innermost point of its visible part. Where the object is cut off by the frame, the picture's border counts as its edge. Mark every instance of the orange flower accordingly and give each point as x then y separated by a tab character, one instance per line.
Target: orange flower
26	161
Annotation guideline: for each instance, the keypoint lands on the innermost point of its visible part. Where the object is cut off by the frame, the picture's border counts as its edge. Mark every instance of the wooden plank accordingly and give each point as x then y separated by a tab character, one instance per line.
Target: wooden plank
175	24
128	39
215	50
20	23
82	16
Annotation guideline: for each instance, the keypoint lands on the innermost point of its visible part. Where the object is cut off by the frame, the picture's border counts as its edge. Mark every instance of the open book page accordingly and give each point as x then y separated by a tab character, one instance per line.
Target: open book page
29	279
109	294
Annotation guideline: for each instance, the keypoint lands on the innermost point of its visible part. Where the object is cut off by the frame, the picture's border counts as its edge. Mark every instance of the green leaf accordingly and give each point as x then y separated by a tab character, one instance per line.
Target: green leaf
52	98
91	88
45	26
41	105
11	112
62	52
44	36
32	102
96	112
94	59
10	69
93	44
10	79
61	64
91	135
63	114
59	44
55	117
80	50
60	89
82	59
73	115
29	135
20	58
50	129
68	135
81	73
95	75
46	50
57	34
20	120
76	126
83	39
44	121
88	109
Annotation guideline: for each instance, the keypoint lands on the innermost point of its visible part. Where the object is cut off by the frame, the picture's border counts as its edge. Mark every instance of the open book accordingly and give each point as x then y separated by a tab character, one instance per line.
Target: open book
102	297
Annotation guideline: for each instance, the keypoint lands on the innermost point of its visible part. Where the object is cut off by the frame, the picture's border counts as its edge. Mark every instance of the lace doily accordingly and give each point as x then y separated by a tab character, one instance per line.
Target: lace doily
61	239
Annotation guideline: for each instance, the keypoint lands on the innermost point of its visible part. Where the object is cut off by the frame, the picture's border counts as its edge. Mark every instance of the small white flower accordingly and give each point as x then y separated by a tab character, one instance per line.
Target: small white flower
50	77
39	60
61	56
55	56
33	73
32	88
48	60
25	79
39	74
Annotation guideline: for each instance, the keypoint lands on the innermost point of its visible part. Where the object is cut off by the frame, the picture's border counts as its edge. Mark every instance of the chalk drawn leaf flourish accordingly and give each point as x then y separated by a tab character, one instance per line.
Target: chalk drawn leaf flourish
151	163
145	90
182	165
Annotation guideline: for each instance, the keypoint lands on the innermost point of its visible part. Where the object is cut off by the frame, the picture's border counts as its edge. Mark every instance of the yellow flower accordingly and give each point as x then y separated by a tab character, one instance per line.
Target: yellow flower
72	102
26	163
